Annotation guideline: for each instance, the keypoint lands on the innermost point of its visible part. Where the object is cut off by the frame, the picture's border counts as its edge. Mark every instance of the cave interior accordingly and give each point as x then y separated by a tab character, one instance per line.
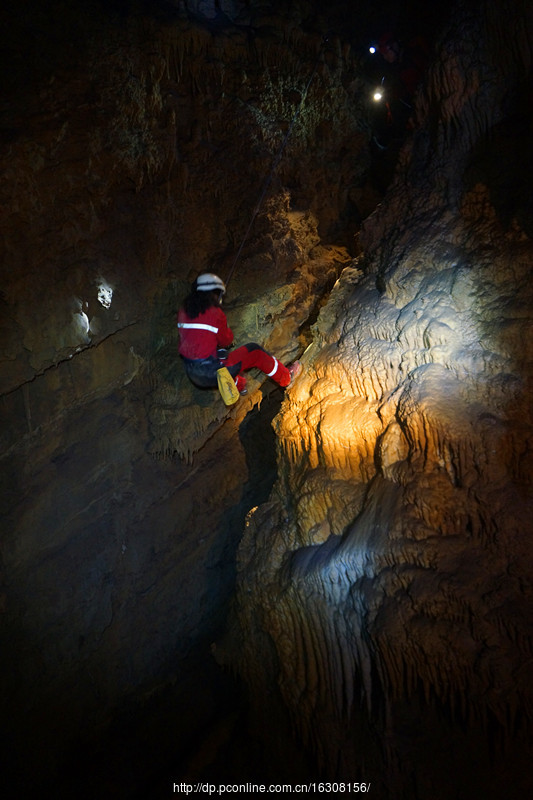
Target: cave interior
328	583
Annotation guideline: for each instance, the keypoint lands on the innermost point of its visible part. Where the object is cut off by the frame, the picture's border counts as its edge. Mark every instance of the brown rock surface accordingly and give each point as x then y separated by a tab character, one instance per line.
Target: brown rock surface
134	148
384	593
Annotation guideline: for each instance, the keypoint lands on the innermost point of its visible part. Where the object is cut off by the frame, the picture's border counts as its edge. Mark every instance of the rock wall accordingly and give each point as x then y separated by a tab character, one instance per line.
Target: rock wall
136	139
384	592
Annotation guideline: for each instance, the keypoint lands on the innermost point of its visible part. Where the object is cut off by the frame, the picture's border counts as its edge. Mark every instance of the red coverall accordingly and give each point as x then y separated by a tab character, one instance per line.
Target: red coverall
202	336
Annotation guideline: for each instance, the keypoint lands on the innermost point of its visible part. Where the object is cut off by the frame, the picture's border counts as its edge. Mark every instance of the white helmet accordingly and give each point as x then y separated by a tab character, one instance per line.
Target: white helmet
209	282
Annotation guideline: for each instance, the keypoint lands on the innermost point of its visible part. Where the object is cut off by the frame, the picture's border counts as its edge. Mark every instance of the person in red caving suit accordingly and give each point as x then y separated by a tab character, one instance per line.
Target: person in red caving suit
205	337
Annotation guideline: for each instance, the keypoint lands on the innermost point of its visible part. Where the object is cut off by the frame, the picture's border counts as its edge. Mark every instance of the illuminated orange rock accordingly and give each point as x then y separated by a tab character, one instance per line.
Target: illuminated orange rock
385	589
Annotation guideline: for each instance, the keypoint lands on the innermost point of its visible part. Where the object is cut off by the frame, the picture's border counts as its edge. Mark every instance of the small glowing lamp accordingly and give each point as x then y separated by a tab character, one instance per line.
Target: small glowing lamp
378	95
372	49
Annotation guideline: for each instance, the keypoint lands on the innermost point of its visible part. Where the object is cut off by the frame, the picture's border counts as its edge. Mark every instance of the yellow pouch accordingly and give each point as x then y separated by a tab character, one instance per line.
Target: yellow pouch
226	386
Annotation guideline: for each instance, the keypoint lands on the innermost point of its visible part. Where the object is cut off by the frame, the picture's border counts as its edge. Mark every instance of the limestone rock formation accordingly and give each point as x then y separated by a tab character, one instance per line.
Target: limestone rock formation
384	591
